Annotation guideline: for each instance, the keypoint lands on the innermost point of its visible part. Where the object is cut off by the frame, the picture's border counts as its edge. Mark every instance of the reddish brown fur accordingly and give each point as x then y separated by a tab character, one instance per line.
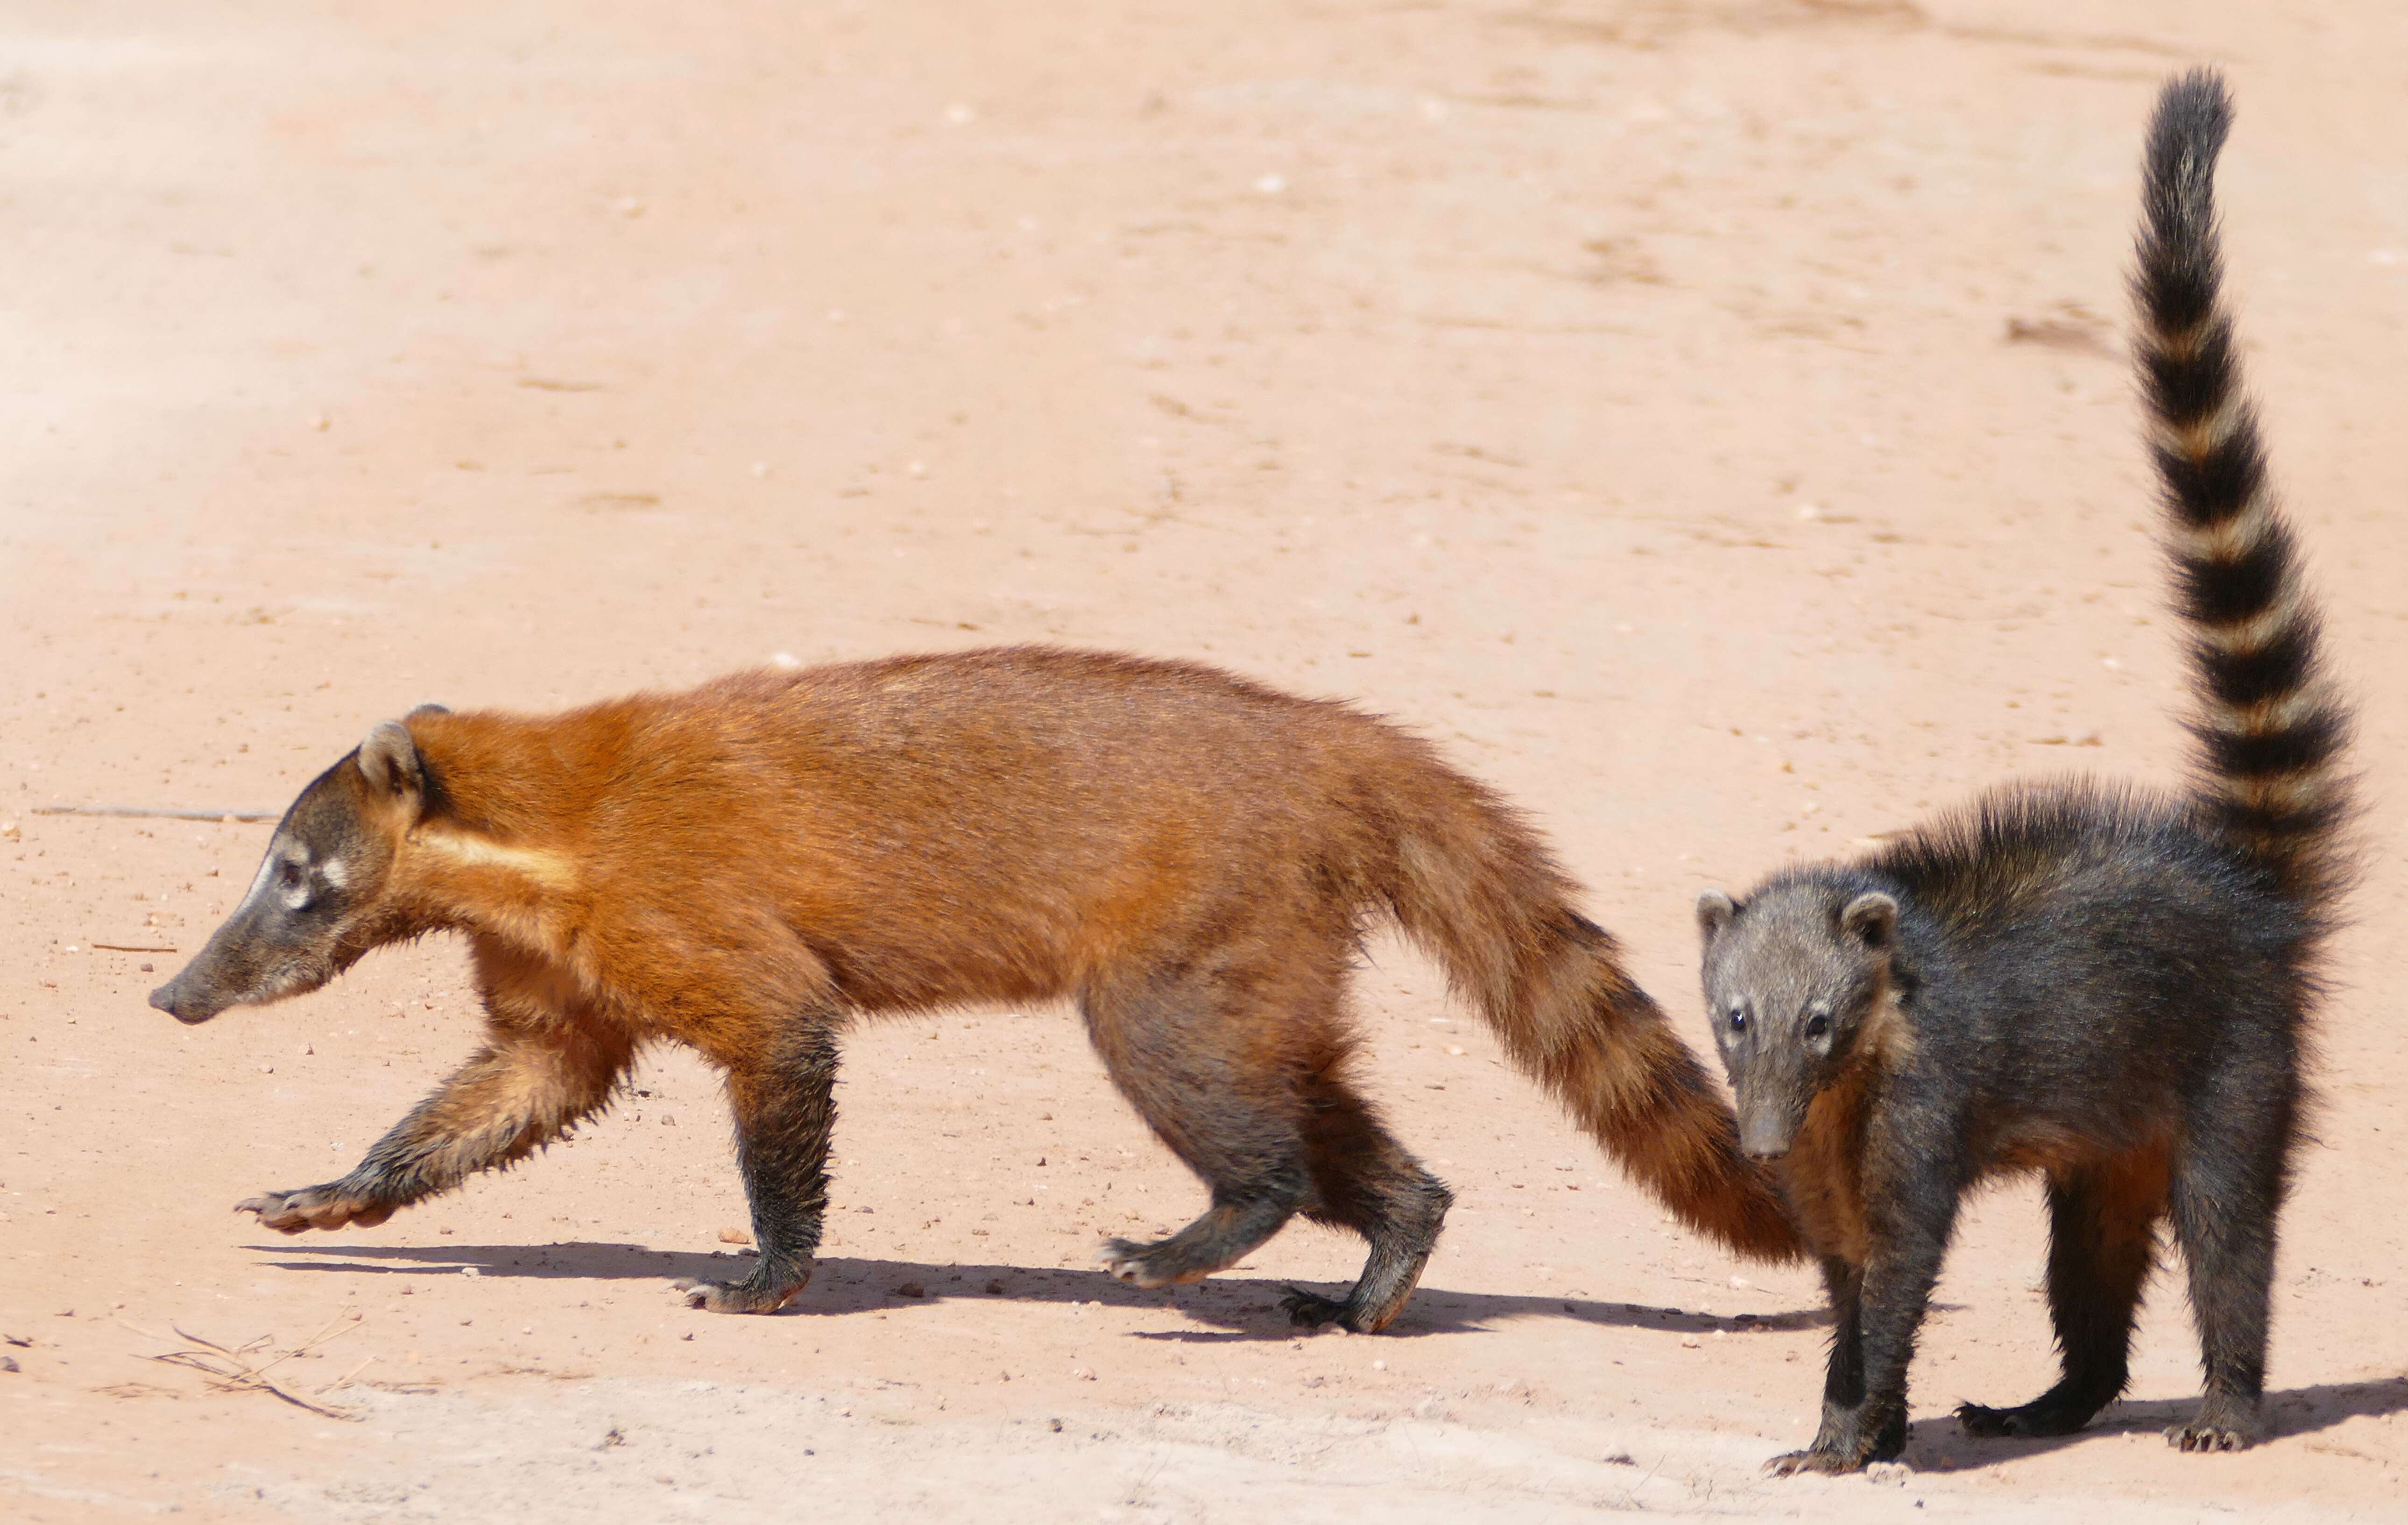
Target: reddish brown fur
1188	855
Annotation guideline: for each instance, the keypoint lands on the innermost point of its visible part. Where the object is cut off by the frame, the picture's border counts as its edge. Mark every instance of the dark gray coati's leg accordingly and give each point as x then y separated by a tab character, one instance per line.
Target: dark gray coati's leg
2102	1245
527	1087
2229	1182
1843	1376
1893	1291
785	1114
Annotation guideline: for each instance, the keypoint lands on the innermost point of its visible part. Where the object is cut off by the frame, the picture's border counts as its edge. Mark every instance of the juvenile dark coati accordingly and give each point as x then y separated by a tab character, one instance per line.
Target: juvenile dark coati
747	867
2101	984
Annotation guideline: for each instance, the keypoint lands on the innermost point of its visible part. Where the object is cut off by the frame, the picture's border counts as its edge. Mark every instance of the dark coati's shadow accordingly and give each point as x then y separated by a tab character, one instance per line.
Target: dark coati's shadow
1942	1446
1237	1307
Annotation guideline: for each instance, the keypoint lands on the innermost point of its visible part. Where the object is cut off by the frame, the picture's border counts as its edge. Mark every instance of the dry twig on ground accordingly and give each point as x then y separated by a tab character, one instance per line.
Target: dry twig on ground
167	812
238	1368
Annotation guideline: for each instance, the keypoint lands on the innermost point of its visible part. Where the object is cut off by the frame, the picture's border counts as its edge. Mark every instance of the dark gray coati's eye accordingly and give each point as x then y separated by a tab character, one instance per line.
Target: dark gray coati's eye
1817	1024
1739	1019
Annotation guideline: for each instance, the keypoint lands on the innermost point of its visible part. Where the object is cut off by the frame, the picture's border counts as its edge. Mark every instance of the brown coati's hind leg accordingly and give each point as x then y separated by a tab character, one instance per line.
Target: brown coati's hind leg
2102	1244
1243	1214
1363	1179
1237	1063
784	1100
1233	1122
1204	1054
2229	1178
526	1088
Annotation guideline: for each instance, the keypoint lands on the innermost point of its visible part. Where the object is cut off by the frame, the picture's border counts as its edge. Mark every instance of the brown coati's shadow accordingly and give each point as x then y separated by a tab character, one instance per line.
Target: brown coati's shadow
1241	1308
1941	1444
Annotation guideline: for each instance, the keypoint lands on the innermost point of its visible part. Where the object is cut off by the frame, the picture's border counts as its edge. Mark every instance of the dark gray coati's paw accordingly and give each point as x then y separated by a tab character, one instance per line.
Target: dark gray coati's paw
328	1206
2032	1419
1849	1440
2202	1435
1790	1464
755	1293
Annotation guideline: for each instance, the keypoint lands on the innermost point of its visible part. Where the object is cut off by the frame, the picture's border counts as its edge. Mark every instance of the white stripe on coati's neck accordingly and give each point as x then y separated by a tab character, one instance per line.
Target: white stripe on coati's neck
542	868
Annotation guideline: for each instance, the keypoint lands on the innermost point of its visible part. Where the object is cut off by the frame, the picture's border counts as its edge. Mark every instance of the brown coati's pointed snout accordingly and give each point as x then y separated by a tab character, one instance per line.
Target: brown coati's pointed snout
180	1004
233	968
313	906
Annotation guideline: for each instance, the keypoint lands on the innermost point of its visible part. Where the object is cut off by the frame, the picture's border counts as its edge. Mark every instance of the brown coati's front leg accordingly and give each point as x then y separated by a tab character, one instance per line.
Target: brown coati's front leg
525	1088
1878	1309
785	1113
1363	1179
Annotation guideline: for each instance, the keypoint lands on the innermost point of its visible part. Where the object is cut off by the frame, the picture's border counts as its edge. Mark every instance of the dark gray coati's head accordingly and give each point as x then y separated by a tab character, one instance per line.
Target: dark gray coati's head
317	902
1797	982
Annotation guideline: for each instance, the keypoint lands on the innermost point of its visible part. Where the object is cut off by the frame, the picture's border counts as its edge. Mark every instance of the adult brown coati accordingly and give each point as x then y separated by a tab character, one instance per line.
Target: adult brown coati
2101	984
747	867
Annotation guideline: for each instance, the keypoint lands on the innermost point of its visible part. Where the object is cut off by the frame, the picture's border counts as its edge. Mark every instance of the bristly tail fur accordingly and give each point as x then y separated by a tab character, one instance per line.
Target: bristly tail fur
2270	728
1476	889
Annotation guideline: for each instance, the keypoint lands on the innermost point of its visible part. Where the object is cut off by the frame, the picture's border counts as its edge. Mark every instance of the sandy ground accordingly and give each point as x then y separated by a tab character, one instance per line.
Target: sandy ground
1704	417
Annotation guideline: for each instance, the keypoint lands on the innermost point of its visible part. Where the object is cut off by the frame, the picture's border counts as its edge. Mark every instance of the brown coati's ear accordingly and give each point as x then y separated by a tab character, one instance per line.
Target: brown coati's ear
429	709
1871	918
389	761
1716	910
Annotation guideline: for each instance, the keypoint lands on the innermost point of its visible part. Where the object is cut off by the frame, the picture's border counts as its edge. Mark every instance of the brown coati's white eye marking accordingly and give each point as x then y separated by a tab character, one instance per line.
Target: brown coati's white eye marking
284	872
333	872
293	882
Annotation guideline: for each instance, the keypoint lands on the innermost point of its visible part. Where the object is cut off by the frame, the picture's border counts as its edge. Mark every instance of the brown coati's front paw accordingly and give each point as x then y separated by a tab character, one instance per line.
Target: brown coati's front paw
1140	1264
328	1206
756	1293
1311	1310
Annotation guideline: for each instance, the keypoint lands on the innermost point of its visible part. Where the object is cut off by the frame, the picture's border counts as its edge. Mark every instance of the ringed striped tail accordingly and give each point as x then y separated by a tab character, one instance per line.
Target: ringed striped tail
2269	729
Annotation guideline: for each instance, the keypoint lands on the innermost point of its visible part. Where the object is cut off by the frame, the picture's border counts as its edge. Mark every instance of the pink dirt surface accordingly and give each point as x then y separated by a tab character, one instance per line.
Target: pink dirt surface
1704	417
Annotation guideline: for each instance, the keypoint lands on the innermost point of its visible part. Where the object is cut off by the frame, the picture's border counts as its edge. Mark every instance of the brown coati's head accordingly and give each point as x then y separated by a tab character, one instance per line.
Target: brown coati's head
1798	984
317	903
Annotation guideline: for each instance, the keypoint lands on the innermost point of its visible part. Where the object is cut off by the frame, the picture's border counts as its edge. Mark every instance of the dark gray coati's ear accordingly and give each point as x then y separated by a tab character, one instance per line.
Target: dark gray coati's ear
1871	918
429	709
389	760
1716	910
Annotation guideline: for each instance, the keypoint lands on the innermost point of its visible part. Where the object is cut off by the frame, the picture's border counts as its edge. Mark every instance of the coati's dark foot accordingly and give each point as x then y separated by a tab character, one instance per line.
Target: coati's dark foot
328	1206
1165	1263
1311	1310
2209	1437
763	1291
1848	1441
2208	1432
1790	1464
2038	1417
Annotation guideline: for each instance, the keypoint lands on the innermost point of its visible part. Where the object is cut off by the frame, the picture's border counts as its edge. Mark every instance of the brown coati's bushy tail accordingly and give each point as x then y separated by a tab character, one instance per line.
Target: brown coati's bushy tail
1478	889
2270	729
